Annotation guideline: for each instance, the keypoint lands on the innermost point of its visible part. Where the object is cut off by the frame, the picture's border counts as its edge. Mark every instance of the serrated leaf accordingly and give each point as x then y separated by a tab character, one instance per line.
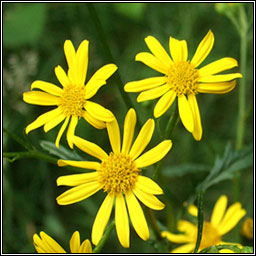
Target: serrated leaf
61	152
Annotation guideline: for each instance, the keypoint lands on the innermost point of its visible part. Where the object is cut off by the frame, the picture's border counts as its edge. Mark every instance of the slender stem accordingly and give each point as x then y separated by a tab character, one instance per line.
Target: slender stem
173	121
104	238
153	223
200	219
242	86
109	55
12	156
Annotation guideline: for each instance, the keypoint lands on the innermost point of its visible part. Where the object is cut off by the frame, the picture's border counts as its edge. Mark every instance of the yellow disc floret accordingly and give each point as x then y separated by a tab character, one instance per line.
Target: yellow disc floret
73	100
118	173
183	78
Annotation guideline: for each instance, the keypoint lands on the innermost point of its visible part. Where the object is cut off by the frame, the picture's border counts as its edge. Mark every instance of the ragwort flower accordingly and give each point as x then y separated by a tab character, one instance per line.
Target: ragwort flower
182	79
72	100
46	244
119	175
222	221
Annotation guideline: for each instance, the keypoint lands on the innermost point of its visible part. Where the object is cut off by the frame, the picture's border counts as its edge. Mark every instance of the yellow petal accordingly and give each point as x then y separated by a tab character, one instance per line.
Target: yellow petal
151	61
74	242
218	66
203	49
70	54
90	148
42	119
114	135
219	210
192	209
164	103
122	222
71	130
77	179
185	112
186	248
98	112
142	139
153	93
50	245
80	164
102	218
145	84
217	88
60	133
93	121
219	78
54	122
62	76
82	61
85	247
178	49
129	126
47	87
148	185
78	193
99	79
148	199
157	49
137	216
40	98
198	131
154	155
187	227
176	238
231	218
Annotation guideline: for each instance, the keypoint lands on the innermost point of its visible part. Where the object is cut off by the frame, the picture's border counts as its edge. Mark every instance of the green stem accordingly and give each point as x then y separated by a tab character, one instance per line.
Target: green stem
153	223
109	55
104	238
173	121
242	86
200	219
12	156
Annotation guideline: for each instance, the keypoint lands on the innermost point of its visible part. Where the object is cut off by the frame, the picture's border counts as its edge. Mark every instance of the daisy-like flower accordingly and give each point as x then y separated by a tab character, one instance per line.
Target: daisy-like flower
72	100
182	79
46	244
119	175
222	221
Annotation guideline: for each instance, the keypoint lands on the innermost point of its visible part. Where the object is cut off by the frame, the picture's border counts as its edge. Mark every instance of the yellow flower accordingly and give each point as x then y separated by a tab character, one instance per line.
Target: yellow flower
247	228
119	175
45	244
222	221
182	79
72	100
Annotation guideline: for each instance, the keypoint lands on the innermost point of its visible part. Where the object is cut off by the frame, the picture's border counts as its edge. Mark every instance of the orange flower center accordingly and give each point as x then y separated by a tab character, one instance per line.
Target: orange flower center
210	236
183	78
118	173
73	100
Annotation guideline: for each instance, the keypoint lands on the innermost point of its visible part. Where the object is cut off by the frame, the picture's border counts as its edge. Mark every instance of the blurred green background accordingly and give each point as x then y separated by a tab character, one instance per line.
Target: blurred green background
33	38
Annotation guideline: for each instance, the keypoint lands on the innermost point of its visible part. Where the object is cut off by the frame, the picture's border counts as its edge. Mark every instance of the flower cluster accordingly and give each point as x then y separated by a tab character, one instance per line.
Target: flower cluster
118	173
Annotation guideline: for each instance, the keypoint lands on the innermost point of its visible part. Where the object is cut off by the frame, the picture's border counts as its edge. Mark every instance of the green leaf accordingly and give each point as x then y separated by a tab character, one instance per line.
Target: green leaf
226	167
133	11
61	152
23	24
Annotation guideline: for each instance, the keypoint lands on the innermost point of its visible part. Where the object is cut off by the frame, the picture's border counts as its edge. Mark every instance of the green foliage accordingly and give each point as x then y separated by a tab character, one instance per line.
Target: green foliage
61	152
24	24
133	11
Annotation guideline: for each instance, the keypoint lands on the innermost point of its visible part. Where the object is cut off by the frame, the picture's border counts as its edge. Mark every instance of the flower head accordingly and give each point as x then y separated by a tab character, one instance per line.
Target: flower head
222	221
247	228
72	100
46	244
182	79
119	175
